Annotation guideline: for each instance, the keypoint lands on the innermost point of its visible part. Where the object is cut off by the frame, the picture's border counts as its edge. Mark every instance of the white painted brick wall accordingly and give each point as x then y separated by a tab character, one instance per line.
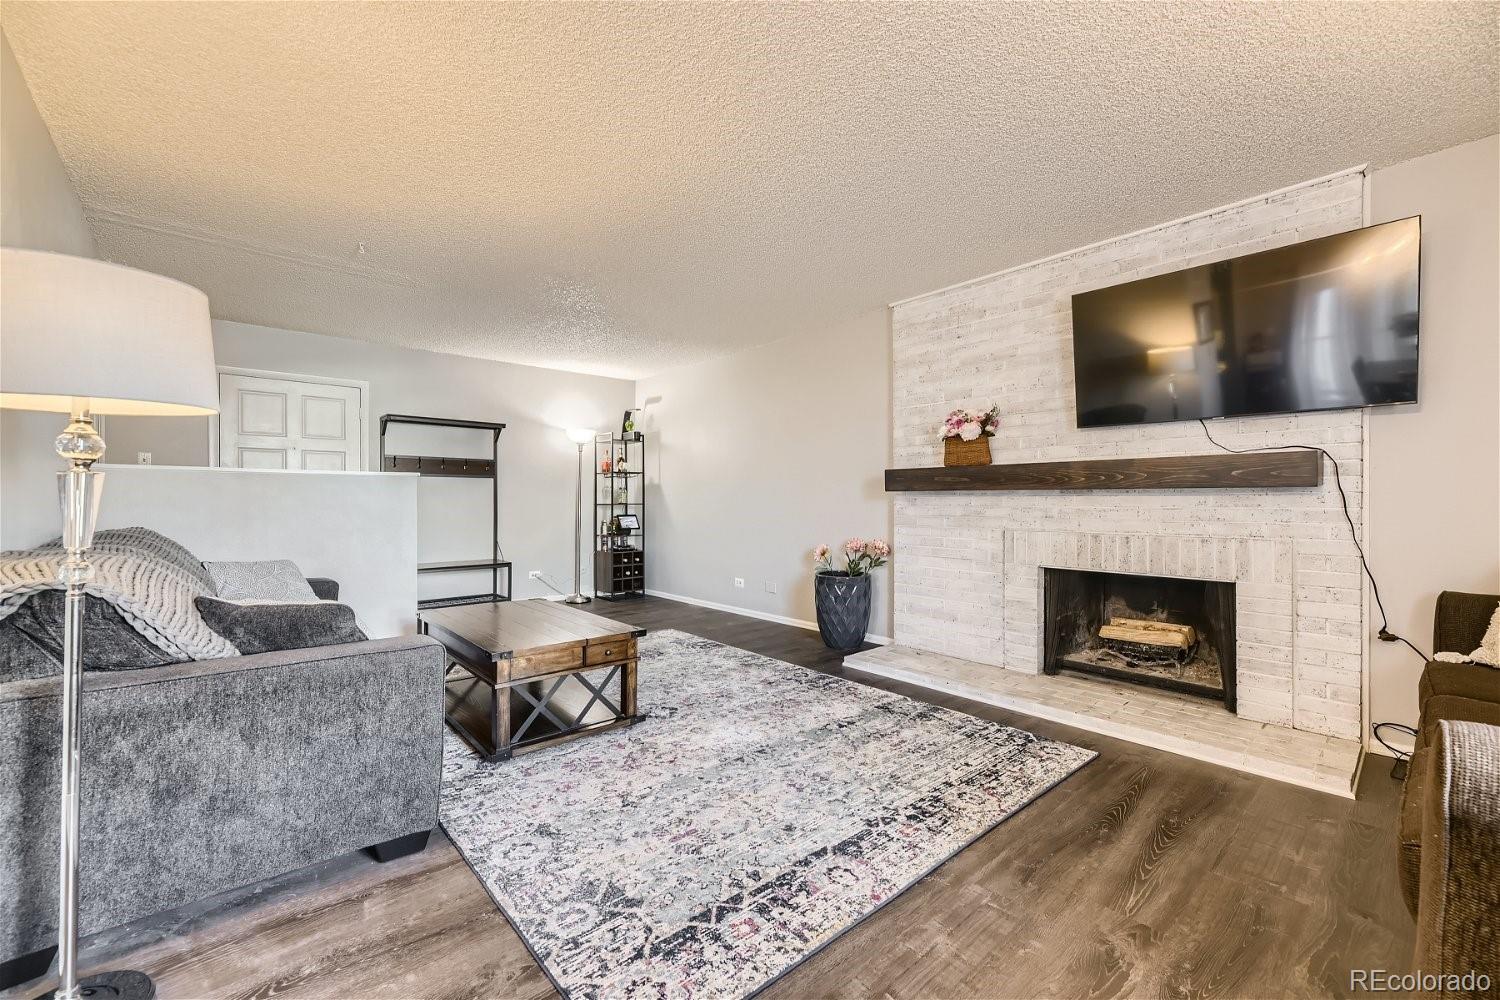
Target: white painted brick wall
966	572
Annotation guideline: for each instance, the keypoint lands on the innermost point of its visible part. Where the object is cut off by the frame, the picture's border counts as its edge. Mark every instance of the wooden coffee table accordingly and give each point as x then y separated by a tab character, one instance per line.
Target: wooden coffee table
512	660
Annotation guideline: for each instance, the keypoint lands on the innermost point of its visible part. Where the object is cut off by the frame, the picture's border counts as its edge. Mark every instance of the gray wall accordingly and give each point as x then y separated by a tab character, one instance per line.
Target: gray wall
38	211
760	456
1434	468
538	463
38	208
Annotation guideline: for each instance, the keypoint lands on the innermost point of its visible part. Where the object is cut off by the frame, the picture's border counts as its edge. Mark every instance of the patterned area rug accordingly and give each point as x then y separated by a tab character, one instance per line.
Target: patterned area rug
756	812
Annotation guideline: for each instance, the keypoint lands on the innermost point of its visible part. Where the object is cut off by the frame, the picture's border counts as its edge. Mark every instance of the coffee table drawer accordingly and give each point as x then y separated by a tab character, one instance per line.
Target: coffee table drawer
612	651
548	661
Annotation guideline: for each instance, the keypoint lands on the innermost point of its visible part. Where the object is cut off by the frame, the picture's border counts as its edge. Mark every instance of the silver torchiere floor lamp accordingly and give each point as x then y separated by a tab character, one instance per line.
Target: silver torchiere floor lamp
579	436
87	338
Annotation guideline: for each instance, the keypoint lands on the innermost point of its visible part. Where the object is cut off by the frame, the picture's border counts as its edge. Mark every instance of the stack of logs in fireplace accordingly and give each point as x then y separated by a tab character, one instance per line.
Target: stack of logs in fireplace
1141	640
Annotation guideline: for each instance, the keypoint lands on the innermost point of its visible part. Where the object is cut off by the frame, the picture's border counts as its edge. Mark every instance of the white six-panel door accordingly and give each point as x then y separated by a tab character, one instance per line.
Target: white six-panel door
281	423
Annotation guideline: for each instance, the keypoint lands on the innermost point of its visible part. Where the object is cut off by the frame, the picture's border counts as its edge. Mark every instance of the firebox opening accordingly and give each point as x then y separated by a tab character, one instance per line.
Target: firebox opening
1162	632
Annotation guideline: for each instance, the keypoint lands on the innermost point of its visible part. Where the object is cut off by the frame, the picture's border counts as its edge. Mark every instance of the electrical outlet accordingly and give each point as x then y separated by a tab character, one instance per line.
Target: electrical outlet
143	458
739	582
535	574
770	586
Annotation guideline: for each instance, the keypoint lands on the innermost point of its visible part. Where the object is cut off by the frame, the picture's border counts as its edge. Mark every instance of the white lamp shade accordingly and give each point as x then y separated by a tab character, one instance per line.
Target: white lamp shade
129	341
580	435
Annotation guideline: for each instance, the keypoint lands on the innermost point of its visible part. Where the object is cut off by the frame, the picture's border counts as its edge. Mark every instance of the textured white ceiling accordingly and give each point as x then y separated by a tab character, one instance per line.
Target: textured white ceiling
624	188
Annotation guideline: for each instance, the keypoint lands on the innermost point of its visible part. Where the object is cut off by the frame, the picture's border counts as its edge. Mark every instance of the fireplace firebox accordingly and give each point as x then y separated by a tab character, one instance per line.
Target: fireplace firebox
1161	632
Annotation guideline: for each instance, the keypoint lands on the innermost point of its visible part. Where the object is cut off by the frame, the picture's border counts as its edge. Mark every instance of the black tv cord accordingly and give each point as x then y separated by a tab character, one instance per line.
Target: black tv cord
1385	634
1398	770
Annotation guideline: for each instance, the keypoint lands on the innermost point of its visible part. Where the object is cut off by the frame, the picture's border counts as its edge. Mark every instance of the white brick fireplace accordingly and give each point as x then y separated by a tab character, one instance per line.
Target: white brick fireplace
968	567
1260	568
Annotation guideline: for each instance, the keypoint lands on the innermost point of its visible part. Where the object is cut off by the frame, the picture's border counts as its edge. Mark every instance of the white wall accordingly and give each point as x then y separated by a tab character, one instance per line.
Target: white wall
1434	470
538	465
39	210
357	528
756	458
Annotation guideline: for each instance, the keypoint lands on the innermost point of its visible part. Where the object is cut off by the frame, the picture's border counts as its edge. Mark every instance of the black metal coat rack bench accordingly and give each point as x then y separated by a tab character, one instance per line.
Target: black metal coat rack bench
463	468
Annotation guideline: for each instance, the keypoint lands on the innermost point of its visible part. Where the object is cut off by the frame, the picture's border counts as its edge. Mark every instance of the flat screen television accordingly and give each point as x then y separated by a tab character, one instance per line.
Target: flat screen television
1322	325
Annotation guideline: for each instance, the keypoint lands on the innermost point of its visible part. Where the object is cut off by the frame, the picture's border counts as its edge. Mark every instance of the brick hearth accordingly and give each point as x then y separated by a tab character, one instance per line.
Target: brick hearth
1176	723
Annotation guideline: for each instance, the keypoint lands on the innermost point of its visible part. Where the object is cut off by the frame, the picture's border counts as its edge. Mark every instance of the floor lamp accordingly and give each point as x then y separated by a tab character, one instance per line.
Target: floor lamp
88	338
579	436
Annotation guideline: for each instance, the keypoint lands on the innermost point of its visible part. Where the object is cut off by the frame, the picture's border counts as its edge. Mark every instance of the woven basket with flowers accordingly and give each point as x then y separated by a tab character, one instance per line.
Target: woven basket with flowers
966	436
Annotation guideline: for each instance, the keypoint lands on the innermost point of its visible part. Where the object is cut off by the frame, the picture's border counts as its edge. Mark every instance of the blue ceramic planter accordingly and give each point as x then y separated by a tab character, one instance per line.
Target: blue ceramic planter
843	603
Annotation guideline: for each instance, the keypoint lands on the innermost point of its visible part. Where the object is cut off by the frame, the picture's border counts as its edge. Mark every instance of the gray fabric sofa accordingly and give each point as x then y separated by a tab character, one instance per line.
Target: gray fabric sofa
1450	807
199	777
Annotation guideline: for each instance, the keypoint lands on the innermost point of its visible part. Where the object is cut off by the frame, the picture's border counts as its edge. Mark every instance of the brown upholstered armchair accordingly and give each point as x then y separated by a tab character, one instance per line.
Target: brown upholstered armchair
1450	808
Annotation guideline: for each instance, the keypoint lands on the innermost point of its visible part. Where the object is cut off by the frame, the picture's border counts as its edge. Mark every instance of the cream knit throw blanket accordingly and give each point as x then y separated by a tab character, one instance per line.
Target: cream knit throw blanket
149	579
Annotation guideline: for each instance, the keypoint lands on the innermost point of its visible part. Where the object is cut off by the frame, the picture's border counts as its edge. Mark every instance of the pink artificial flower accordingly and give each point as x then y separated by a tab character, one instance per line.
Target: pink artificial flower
854	545
877	548
820	553
969	425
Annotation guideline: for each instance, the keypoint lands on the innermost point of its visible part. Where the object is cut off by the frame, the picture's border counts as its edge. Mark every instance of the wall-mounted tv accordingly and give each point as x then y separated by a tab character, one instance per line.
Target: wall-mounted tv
1322	325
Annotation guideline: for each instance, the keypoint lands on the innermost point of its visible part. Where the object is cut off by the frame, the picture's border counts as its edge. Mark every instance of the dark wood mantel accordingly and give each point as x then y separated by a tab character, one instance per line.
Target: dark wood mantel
1163	472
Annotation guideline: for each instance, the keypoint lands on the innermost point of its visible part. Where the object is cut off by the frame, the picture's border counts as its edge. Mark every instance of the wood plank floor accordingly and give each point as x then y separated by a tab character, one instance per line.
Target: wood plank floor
1144	874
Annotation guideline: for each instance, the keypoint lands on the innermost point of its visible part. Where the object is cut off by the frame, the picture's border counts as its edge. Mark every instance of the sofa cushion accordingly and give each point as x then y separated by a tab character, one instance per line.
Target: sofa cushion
261	627
1488	652
1465	680
1460	880
1435	710
1460	620
326	589
266	580
1453	708
31	639
1409	837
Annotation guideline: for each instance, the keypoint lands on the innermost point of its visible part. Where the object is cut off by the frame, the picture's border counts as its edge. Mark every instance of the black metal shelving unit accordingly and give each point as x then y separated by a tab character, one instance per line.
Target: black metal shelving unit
619	560
457	468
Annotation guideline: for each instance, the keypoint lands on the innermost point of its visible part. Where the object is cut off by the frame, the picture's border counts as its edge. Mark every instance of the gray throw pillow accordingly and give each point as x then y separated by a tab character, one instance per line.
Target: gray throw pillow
268	627
269	580
31	639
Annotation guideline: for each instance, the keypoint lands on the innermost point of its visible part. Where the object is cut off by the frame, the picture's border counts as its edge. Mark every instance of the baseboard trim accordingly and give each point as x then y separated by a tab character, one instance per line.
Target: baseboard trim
879	640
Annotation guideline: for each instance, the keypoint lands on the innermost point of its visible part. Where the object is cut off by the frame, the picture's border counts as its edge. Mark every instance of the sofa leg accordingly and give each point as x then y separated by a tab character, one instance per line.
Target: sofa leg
25	968
399	847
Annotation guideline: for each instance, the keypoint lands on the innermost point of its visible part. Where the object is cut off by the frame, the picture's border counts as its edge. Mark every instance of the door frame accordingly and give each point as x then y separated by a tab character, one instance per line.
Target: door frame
348	383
